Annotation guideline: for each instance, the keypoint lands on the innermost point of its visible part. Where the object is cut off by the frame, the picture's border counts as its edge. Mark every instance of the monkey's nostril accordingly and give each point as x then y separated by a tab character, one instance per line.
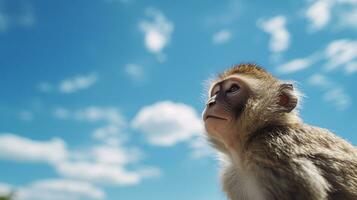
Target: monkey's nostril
210	102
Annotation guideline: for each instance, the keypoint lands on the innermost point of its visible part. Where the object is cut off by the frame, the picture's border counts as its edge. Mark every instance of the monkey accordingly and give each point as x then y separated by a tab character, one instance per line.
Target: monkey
266	150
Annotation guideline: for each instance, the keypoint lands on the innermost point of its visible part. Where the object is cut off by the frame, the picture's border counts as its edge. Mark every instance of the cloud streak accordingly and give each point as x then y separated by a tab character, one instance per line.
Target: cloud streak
157	31
321	13
14	147
333	92
338	54
279	35
70	85
77	83
59	189
222	36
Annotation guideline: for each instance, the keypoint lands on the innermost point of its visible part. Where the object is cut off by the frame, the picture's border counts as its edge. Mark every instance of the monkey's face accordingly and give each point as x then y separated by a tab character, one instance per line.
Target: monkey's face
227	99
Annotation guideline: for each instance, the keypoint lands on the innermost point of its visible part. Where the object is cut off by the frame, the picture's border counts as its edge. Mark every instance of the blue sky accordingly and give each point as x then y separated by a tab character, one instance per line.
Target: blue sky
102	99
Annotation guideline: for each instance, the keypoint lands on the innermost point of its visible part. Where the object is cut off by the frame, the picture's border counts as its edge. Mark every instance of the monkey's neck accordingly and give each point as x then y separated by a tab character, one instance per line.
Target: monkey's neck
278	119
239	145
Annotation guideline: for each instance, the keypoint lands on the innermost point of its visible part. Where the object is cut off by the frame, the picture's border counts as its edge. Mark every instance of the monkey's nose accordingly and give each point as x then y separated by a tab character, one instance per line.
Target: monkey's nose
211	102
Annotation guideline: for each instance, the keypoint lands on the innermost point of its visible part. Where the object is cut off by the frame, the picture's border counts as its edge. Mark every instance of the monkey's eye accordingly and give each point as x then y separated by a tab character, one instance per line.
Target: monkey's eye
233	88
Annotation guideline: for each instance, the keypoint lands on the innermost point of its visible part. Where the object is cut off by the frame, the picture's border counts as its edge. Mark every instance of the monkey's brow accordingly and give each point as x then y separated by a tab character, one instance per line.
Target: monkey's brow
219	82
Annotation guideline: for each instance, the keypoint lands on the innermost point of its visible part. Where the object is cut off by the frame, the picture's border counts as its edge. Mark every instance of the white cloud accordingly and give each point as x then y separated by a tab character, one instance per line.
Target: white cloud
77	83
106	164
99	172
17	148
99	163
5	189
333	92
115	155
157	31
95	113
280	37
222	36
167	123
114	121
295	65
135	72
103	163
59	189
340	53
319	14
70	85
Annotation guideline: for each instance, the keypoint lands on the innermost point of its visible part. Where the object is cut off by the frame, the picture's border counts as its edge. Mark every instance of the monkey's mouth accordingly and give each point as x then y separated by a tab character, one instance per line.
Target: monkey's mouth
214	117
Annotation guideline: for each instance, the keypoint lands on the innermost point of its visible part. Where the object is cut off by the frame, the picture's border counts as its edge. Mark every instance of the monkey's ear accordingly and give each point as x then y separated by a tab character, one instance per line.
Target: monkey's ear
287	97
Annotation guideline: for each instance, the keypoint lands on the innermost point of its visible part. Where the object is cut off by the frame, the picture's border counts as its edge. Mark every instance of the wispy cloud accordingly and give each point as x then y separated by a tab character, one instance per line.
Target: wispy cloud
320	80
333	92
339	97
320	13
222	36
294	66
114	121
59	189
298	64
77	83
157	30
341	54
14	147
106	163
338	54
280	36
70	85
24	17
103	173
135	72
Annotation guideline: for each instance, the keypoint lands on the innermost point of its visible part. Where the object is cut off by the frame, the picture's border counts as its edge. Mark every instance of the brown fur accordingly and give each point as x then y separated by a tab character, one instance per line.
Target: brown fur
278	157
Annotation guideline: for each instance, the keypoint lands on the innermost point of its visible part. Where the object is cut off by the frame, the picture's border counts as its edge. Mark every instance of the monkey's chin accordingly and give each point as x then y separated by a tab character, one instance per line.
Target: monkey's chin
215	126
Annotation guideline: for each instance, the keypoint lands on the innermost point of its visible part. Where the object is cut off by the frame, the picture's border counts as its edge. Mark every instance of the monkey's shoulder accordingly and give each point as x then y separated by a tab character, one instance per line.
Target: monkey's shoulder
297	139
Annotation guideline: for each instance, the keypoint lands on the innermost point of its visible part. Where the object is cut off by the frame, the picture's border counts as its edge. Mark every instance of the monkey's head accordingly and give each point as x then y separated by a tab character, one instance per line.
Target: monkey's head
245	98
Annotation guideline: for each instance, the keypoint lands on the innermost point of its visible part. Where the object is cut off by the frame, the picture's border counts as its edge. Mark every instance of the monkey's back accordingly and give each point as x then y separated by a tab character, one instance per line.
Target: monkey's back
334	158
